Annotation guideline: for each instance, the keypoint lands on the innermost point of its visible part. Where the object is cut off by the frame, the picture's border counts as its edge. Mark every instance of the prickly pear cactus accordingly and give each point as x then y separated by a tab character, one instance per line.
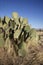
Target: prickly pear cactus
18	31
33	34
7	19
1	40
22	49
15	15
25	21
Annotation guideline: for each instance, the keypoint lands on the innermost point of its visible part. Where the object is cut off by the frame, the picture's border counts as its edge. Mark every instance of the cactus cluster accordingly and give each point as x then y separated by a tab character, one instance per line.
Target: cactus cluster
18	30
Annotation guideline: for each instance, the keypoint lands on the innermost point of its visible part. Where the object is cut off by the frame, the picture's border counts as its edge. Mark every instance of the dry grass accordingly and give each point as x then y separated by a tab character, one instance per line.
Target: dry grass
34	56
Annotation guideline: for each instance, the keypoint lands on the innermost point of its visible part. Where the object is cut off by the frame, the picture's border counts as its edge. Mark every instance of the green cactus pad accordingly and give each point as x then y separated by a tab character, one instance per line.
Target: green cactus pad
27	28
17	21
22	51
12	25
15	15
25	21
1	40
7	19
1	25
0	30
5	26
17	33
33	34
21	19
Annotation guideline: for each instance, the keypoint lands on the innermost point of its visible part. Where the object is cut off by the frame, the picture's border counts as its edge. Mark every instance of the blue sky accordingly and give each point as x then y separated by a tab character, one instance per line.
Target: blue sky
31	9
